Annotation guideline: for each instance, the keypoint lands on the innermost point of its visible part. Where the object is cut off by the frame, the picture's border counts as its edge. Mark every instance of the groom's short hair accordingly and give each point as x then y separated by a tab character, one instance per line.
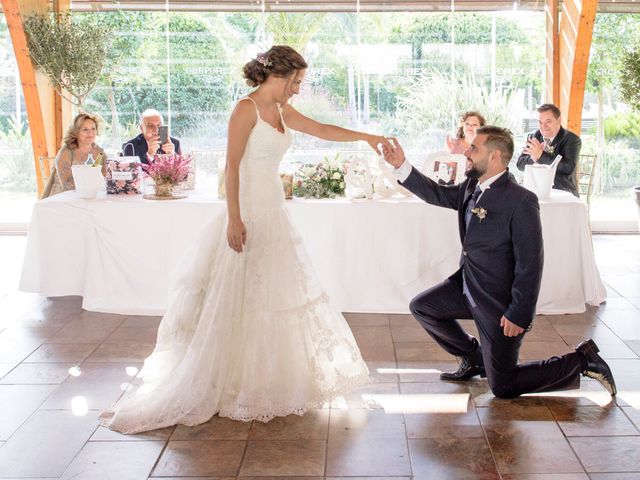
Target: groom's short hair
500	139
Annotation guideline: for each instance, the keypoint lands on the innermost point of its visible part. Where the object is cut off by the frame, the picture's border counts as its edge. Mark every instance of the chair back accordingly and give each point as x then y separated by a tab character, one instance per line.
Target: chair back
209	167
586	173
47	166
208	160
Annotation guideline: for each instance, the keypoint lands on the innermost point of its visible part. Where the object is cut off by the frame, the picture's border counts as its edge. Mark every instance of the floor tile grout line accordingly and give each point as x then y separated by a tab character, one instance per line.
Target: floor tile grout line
326	447
164	448
244	452
404	417
486	437
624	412
573	450
37	409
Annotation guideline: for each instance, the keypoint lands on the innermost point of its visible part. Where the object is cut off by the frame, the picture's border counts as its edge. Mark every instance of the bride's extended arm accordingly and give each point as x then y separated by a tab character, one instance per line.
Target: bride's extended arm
297	121
241	122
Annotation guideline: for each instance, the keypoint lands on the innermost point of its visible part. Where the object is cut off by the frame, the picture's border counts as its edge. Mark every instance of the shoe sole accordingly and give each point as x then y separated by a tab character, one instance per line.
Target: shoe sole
590	347
481	375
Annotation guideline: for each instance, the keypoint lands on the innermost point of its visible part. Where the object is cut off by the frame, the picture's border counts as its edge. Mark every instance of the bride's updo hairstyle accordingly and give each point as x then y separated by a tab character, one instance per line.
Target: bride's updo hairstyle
279	60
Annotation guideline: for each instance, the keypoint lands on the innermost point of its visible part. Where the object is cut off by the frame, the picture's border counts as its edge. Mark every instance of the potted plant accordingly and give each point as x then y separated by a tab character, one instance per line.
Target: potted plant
630	90
167	171
71	53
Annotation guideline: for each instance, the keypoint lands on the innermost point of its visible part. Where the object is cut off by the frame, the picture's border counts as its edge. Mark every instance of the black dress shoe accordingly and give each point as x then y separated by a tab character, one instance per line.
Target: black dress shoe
466	371
597	368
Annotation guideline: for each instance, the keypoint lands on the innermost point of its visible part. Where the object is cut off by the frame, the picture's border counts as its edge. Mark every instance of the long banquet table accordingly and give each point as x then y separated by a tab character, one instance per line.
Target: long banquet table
118	252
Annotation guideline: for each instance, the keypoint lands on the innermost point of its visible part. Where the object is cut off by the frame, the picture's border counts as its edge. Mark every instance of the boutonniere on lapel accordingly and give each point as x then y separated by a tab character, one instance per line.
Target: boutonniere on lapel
480	212
550	149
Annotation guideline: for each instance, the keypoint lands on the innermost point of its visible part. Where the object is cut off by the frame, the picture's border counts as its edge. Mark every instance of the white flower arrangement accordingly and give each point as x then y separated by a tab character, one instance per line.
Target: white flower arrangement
323	180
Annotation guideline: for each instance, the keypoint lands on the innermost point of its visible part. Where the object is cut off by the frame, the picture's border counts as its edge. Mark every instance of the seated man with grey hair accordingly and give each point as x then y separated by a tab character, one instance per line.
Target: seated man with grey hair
147	144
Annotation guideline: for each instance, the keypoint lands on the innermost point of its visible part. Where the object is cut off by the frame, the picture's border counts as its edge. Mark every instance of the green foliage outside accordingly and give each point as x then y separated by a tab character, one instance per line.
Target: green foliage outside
16	162
623	126
618	169
612	36
70	50
136	78
630	77
426	104
613	75
418	101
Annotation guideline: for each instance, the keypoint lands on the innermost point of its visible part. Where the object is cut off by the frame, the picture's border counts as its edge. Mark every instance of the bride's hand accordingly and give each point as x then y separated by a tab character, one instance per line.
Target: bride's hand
375	140
236	235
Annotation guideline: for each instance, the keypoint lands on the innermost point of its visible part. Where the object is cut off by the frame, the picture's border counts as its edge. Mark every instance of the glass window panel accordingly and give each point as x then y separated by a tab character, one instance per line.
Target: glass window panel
398	73
17	171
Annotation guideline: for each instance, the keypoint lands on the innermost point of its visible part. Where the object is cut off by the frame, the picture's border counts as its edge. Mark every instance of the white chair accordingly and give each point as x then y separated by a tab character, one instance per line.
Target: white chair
209	164
586	173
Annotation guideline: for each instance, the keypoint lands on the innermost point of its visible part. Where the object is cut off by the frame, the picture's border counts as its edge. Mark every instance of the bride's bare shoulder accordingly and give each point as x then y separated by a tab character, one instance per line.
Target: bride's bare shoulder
245	110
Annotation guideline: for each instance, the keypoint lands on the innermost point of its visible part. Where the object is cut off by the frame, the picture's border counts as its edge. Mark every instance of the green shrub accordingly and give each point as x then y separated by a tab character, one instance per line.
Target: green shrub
623	126
618	167
16	158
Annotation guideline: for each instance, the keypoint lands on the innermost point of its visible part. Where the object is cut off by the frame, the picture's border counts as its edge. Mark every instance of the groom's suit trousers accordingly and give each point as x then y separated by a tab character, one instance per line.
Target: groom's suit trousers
438	310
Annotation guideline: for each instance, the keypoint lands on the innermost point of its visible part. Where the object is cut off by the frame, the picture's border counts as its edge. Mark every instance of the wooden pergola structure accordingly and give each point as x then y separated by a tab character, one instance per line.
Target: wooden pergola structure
569	28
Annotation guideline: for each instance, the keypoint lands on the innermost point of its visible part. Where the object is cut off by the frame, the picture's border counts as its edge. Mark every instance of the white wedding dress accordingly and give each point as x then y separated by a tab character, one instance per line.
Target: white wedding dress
251	335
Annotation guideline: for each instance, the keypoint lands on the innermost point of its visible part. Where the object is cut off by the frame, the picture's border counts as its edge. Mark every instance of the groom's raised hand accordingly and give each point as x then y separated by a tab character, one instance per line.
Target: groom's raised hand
395	155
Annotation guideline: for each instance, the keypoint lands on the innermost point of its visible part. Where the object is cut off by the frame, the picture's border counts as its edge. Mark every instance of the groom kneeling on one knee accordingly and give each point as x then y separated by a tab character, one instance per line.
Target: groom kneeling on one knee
498	281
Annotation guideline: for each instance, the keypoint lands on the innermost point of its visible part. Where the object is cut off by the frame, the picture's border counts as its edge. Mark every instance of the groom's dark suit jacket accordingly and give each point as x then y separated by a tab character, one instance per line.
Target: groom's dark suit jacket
567	144
502	255
138	146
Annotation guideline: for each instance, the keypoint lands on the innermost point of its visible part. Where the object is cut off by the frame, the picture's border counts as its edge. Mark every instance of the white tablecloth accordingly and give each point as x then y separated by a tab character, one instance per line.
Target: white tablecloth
118	252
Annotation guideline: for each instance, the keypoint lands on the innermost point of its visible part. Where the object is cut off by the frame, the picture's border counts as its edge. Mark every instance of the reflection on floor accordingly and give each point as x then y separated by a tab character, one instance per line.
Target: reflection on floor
60	365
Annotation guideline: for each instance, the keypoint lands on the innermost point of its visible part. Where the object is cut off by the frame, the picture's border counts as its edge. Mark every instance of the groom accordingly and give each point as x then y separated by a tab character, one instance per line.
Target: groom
498	281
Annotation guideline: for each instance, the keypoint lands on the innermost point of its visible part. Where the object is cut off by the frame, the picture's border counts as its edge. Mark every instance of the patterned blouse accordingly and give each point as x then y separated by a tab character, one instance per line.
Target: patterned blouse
61	178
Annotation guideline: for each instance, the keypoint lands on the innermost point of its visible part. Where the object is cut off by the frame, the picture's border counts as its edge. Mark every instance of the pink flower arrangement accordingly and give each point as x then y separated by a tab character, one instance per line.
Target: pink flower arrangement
168	169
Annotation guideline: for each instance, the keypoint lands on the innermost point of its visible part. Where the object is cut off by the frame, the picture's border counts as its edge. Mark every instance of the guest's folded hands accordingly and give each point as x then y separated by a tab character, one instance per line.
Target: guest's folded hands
534	148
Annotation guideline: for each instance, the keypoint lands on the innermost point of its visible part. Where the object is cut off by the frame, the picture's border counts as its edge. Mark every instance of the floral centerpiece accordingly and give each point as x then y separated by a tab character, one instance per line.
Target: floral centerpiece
323	180
167	171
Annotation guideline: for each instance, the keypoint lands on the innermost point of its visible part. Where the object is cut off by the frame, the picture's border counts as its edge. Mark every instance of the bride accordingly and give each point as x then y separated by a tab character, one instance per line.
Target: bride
249	334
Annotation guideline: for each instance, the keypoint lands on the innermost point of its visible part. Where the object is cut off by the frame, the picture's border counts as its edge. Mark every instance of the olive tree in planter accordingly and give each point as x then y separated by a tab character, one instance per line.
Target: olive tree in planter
71	52
630	90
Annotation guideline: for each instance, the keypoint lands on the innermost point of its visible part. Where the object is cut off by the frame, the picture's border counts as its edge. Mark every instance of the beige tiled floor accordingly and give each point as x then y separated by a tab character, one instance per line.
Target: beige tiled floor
60	365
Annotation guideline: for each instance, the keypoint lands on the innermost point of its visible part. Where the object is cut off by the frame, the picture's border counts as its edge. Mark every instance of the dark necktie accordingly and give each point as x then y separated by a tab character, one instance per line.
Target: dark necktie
471	205
467	218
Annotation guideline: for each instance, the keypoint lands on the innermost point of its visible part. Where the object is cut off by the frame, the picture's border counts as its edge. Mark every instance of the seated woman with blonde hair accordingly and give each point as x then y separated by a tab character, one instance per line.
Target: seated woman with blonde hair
77	144
469	123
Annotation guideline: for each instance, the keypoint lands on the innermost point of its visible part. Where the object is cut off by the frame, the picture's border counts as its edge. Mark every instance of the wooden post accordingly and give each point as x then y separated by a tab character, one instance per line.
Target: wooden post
576	30
552	52
62	107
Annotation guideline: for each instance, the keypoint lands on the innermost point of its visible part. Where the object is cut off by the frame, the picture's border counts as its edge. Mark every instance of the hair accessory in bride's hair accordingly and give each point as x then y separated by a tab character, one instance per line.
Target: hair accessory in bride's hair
264	60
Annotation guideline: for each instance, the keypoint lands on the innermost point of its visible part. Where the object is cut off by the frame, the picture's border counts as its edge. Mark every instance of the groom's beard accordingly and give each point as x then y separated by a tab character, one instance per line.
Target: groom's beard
472	170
